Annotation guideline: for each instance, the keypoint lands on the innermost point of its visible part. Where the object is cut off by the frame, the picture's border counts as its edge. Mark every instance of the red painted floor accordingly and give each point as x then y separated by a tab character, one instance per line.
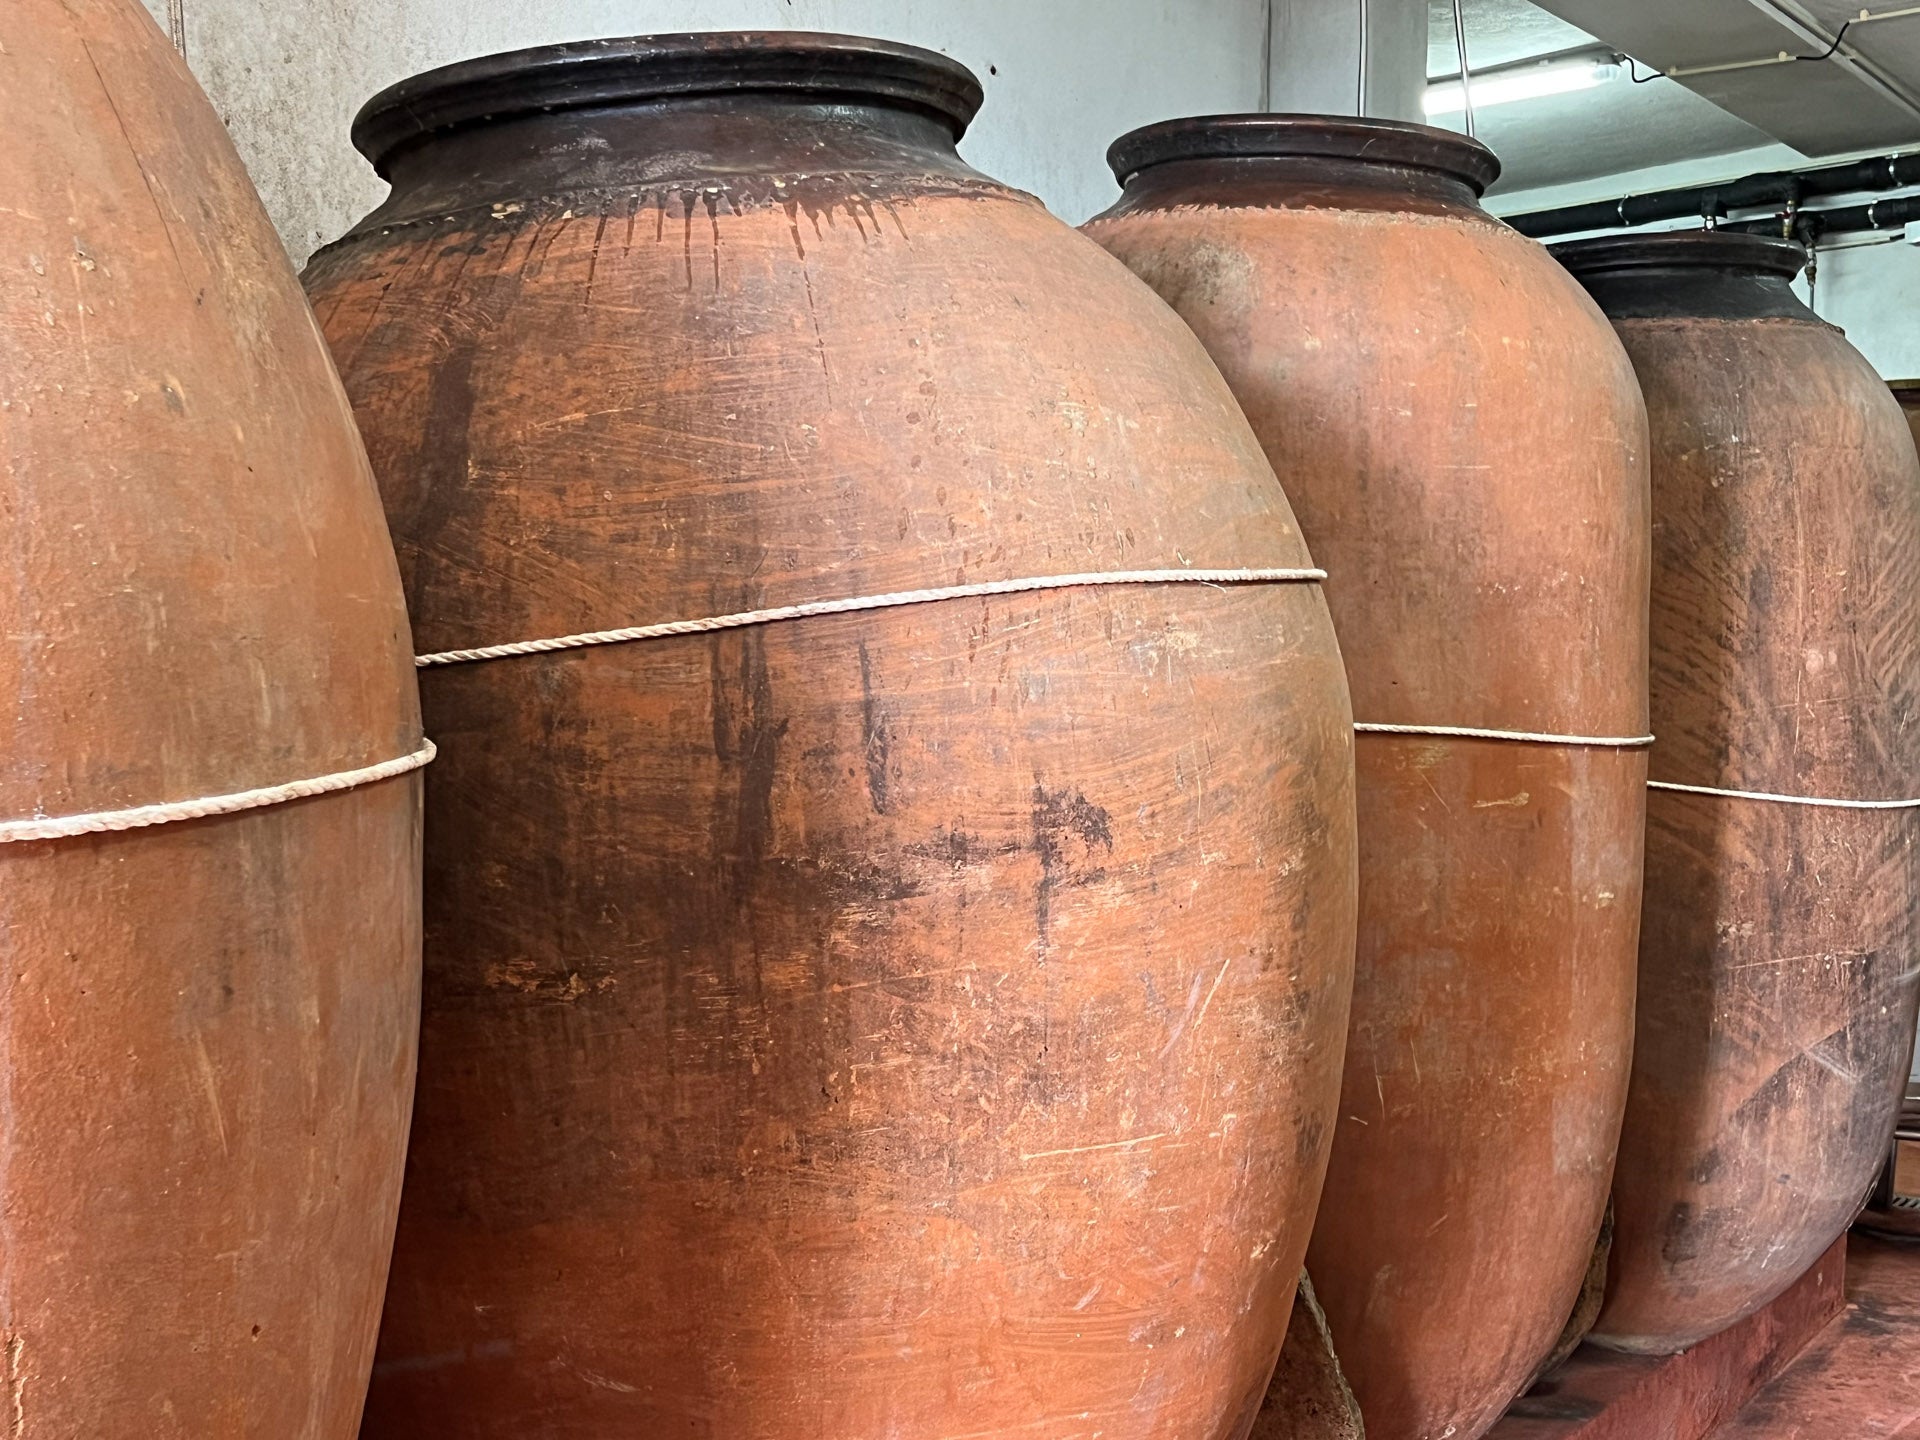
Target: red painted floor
1860	1379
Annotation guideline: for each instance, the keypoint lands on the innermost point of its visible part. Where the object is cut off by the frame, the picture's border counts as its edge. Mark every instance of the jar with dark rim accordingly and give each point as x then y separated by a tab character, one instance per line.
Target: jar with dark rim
1777	984
1463	440
910	1022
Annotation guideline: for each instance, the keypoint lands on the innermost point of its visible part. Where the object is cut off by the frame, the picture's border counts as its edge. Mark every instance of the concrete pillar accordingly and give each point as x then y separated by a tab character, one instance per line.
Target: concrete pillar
1348	57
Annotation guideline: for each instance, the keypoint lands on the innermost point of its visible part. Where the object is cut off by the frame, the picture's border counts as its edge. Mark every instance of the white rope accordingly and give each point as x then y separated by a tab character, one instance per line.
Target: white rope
868	602
1784	799
63	826
1530	737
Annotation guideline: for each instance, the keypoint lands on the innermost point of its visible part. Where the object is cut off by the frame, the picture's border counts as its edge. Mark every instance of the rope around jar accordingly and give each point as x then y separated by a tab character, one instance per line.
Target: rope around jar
1784	799
1029	584
1633	742
206	807
1527	737
140	816
887	601
892	599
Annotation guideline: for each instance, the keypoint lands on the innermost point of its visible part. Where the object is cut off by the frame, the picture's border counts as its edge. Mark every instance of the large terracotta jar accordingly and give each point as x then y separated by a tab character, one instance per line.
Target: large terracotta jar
209	985
918	1016
1778	983
1465	446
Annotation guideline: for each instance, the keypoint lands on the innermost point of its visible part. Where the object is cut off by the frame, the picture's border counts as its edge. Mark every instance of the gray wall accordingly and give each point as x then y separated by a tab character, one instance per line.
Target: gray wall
1063	77
1317	62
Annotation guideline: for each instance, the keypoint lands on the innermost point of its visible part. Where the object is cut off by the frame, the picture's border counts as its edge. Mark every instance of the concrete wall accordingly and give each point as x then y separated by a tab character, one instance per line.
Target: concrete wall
1348	57
1063	77
1868	285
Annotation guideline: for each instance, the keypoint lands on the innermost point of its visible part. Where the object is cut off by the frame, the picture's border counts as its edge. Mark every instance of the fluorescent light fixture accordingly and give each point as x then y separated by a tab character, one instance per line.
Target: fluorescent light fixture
1522	82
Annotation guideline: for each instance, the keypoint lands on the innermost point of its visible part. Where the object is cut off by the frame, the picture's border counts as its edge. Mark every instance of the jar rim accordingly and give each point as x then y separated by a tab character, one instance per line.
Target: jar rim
632	68
1387	143
1683	249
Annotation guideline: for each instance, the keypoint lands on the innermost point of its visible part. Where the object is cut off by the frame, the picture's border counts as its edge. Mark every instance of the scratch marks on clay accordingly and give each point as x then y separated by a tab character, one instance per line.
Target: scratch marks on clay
16	1387
210	1081
1128	1144
1193	1001
876	736
593	261
145	179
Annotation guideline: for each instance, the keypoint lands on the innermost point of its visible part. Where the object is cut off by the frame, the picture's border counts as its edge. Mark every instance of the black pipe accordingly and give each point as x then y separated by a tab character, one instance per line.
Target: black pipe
1893	213
1786	187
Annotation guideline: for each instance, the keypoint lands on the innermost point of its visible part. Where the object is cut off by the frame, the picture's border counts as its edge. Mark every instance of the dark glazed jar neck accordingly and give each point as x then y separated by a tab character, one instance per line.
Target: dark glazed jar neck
1690	274
721	109
1281	160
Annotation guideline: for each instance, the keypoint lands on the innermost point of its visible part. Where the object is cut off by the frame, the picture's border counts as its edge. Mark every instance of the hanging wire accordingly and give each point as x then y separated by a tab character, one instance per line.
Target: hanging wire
1834	48
177	24
1839	38
1466	80
1266	62
1360	81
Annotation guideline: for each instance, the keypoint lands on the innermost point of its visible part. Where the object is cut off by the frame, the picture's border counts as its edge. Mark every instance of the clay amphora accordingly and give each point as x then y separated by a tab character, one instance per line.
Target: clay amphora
918	1021
1778	976
1464	443
207	1025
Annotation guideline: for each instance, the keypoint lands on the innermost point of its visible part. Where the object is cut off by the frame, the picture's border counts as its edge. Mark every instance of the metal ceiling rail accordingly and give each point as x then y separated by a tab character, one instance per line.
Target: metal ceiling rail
1781	187
1799	23
1593	51
1784	57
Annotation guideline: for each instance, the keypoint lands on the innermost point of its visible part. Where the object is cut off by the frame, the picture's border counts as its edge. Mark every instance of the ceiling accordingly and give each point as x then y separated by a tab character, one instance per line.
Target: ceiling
1868	96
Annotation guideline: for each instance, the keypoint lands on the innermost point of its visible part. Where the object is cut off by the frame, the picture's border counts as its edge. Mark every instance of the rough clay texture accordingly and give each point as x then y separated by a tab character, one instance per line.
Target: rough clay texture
1308	1398
1586	1306
918	1023
1778	984
207	1028
1464	443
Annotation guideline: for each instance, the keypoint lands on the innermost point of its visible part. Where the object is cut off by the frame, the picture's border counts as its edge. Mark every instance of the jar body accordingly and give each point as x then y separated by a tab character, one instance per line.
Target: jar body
1465	448
1777	988
208	1026
911	1022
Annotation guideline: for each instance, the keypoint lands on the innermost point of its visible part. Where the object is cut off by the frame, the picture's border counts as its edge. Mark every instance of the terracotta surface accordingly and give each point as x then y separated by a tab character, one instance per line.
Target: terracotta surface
1860	1380
919	1023
1465	446
1586	1309
1778	988
206	1028
1605	1395
1308	1397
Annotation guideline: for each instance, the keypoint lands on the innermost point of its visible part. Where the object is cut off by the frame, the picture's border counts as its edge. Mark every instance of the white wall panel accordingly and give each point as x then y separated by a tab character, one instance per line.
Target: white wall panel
1063	77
